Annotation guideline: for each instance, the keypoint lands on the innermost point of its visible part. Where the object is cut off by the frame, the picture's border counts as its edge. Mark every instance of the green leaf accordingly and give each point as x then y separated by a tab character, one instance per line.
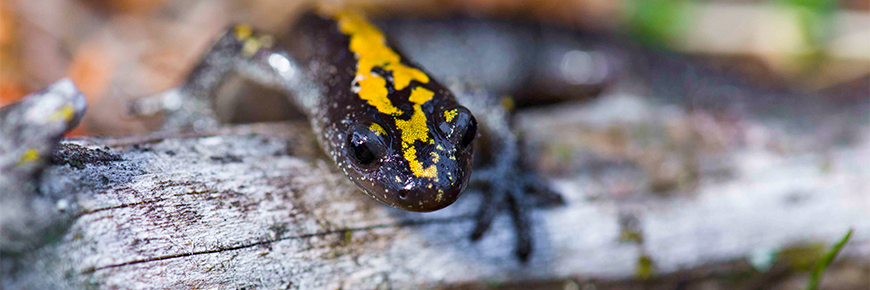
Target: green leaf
823	263
658	22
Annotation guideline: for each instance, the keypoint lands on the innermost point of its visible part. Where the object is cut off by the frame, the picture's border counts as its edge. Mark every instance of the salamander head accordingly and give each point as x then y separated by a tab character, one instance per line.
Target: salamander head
402	138
420	161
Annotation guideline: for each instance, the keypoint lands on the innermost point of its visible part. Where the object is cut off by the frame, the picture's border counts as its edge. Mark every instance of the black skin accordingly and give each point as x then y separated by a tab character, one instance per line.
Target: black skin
340	119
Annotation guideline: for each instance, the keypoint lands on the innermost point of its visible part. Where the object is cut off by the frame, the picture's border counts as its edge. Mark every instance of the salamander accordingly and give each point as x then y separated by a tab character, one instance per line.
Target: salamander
397	133
404	138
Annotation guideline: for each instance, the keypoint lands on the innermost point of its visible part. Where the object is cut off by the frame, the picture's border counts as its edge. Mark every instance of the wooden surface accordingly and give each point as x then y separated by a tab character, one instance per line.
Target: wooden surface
258	206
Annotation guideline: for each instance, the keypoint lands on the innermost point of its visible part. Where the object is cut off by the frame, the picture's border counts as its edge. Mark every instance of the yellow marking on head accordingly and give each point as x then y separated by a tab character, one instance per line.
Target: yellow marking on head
415	129
66	113
29	156
370	47
378	129
420	95
417	167
439	197
242	31
450	114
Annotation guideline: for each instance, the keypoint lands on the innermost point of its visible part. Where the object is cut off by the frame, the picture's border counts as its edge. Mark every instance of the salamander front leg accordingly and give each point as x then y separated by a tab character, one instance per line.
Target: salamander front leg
506	183
516	191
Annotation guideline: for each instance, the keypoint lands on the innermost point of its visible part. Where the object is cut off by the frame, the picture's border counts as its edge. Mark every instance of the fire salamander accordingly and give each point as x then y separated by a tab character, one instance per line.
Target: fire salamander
400	135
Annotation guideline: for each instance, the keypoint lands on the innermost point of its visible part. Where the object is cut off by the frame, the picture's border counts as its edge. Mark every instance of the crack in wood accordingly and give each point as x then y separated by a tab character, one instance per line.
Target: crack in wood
401	224
120	206
266	129
126	205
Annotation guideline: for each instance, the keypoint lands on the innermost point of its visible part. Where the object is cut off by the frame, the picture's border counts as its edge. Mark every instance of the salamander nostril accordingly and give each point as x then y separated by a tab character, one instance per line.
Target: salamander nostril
403	194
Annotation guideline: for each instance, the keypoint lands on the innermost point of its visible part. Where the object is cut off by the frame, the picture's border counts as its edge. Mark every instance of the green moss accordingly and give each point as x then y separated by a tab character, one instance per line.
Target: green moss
801	257
628	235
645	267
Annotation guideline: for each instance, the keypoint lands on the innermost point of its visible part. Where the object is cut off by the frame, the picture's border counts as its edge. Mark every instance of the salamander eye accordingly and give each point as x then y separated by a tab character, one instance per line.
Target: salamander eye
364	145
459	126
470	125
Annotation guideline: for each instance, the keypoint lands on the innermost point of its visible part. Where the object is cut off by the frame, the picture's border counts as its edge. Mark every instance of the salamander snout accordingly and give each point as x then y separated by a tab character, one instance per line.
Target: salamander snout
439	170
424	195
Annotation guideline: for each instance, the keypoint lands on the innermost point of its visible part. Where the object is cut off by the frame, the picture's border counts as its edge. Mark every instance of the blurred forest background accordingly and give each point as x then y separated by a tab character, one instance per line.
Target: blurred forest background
119	50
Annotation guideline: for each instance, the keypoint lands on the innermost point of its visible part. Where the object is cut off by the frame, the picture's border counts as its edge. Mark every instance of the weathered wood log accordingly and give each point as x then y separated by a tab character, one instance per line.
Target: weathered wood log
651	191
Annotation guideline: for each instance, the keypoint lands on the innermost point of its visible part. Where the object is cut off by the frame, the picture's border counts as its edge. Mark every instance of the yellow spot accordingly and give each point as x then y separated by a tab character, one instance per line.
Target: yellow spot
439	197
378	129
420	95
373	89
417	167
450	114
250	47
28	156
243	31
370	48
250	43
435	157
403	75
439	147
66	113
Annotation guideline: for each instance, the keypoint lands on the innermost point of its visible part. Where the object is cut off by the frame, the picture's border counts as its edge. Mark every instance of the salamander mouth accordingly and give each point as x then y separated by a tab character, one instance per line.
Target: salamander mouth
416	194
425	200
